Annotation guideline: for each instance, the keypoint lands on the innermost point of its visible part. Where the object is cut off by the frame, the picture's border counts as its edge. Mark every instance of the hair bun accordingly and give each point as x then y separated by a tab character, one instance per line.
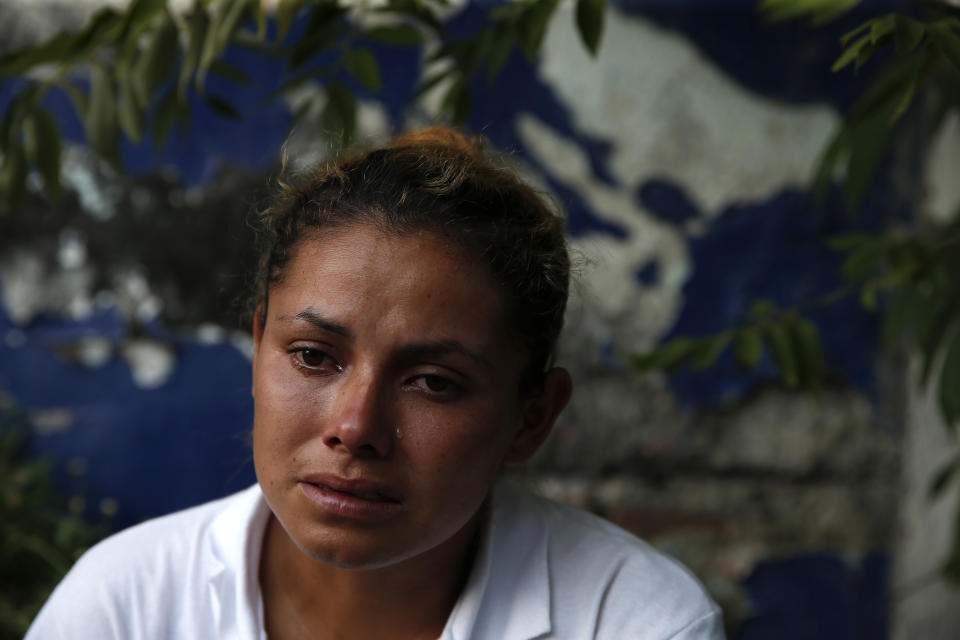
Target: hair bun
439	136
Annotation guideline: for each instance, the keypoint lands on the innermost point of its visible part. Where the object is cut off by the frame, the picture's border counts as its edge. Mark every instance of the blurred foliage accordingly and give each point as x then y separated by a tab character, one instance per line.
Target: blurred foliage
40	538
132	72
910	276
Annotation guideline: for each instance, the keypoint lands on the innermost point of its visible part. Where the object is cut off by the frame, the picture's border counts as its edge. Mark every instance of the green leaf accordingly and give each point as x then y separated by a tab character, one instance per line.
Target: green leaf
323	29
868	142
307	75
879	31
748	347
230	72
908	34
810	354
850	35
22	103
364	67
399	35
940	312
761	310
882	27
832	10
477	51
534	25
157	62
100	121
896	317
948	391
883	92
431	82
226	17
197	22
261	18
667	356
710	350
847	241
925	68
851	53
137	17
862	261
827	162
947	40
47	154
129	111
820	11
103	27
340	113
285	14
590	16
165	116
66	47
13	177
17	63
500	53
222	106
784	355
942	477
457	102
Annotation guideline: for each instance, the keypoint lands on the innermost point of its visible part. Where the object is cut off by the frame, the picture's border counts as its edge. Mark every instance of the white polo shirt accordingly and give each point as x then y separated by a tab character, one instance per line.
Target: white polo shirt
543	571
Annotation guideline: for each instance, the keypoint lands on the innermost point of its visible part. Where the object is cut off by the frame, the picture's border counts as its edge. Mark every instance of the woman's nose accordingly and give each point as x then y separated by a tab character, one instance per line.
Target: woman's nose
356	420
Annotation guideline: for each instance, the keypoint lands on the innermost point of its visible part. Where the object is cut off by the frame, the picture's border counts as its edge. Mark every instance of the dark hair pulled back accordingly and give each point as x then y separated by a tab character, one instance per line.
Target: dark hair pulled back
439	181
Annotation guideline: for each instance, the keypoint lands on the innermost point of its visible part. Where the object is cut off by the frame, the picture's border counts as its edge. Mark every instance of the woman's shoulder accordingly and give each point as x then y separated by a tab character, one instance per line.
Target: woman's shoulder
168	535
149	566
603	575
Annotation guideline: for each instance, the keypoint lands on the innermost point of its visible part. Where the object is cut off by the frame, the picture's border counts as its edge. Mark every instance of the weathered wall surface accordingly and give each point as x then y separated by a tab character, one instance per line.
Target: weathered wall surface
680	154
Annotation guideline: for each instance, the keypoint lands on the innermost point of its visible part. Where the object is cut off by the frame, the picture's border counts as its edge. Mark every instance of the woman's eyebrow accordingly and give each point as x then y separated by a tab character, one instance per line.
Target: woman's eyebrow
319	322
439	348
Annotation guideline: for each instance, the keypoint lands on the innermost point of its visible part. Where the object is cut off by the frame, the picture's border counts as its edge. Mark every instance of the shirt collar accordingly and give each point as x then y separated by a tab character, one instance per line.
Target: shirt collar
236	536
508	593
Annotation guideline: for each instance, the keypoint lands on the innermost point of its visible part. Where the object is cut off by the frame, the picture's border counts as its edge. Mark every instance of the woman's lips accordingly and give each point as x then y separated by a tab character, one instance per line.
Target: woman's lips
352	499
366	495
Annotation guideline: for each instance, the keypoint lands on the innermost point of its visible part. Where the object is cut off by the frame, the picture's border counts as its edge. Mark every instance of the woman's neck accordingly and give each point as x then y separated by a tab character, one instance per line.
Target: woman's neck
303	598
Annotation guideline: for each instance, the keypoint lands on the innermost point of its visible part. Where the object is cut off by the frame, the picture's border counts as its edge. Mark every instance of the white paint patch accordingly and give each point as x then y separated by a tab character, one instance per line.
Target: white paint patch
134	298
49	421
243	342
942	188
77	174
610	296
22	276
72	253
93	352
209	333
670	114
151	362
673	114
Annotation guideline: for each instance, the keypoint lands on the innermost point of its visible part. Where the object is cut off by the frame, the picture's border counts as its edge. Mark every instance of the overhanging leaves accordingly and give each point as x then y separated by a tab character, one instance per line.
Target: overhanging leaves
590	16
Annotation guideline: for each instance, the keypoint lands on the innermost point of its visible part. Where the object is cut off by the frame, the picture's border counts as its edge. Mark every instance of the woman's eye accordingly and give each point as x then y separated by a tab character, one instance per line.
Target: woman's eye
314	359
436	384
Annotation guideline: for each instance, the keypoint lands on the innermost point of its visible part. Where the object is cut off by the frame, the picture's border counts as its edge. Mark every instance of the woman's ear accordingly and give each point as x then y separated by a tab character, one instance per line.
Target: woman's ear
539	416
259	318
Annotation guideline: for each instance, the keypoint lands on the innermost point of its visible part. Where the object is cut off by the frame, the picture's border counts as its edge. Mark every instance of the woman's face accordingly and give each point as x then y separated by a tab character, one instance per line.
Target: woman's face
385	382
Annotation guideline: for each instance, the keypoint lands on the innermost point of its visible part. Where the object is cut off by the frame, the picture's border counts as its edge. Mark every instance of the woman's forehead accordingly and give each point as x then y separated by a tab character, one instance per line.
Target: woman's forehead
421	281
